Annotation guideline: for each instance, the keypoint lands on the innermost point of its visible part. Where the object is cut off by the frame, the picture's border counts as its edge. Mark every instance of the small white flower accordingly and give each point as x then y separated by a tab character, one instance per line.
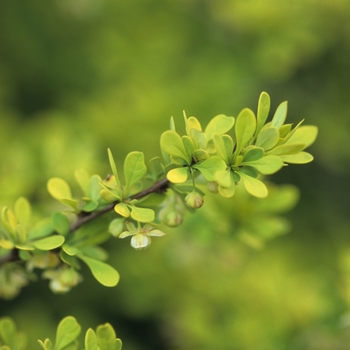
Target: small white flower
141	236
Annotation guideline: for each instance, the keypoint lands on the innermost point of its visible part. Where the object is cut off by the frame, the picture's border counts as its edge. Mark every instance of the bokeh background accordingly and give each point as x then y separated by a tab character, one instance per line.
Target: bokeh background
78	76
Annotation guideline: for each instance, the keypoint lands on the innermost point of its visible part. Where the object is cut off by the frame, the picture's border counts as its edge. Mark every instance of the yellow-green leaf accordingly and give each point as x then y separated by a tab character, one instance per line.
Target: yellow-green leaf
67	331
253	186
48	243
104	273
178	175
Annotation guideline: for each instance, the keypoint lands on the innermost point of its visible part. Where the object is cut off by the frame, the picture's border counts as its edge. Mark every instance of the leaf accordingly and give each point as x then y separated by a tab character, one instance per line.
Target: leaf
71	250
122	209
220	124
94	252
267	138
22	211
60	223
134	168
300	158
253	186
91	340
224	178
287	149
263	111
104	273
46	345
83	180
178	175
266	165
210	166
199	139
192	123
280	115
142	214
171	143
114	168
305	134
59	188
7	330
48	243
67	331
253	154
41	229
220	147
188	144
6	244
89	205
106	338
95	187
244	129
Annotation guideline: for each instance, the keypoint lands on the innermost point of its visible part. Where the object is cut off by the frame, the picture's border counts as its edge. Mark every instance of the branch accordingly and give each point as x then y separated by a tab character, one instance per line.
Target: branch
84	217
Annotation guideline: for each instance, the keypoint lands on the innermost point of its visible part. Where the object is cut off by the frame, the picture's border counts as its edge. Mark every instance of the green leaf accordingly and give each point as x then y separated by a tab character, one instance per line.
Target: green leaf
220	124
287	149
134	168
89	205
104	273
266	165
83	180
48	243
199	139
41	229
300	158
106	338
67	331
172	144
114	168
188	144
253	154
224	178
71	250
228	192
7	330
46	345
95	187
156	169
178	175
60	223
22	211
91	340
263	111
122	209
280	115
220	147
210	166
59	188
253	186
305	134
94	252
244	129
142	214
267	138
200	155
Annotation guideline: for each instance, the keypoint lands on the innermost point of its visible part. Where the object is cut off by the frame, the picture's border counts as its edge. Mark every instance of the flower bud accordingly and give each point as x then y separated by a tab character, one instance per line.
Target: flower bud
173	219
194	200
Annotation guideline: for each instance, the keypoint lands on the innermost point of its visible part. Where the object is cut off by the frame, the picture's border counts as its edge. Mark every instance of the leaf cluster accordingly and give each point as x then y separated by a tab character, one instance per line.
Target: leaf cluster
68	331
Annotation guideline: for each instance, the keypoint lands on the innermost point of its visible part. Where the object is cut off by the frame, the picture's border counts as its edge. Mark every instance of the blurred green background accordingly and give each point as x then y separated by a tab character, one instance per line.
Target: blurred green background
78	76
